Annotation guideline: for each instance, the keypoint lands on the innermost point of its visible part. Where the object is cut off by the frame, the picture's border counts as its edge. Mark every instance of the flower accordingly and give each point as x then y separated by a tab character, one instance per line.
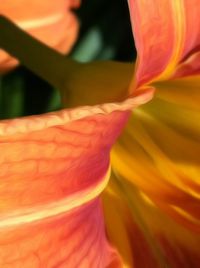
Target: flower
42	19
152	202
58	164
50	181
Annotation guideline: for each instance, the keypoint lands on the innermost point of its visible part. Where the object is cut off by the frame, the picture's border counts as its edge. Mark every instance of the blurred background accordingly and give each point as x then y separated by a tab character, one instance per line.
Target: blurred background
105	33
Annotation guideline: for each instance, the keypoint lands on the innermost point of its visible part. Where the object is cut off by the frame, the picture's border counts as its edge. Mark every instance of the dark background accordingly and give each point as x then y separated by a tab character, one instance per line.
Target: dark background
105	33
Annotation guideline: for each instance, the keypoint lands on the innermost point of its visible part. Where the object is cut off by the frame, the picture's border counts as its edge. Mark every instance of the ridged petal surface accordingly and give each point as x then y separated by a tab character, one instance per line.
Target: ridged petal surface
53	168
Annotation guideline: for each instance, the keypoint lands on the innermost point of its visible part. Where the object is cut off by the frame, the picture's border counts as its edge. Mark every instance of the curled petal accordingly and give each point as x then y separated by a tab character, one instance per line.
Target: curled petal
165	38
159	31
50	181
189	67
192	28
189	60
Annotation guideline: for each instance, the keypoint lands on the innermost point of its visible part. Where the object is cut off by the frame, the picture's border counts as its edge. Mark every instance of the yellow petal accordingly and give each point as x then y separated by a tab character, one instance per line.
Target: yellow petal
143	234
157	165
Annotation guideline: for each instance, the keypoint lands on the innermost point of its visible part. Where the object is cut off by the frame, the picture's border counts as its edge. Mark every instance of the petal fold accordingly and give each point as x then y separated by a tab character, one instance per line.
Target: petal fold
55	161
165	37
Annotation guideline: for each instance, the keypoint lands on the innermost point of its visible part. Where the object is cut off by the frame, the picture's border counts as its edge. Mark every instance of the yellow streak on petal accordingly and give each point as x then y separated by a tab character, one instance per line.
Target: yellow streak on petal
146	199
126	266
135	209
57	208
185	215
179	31
164	165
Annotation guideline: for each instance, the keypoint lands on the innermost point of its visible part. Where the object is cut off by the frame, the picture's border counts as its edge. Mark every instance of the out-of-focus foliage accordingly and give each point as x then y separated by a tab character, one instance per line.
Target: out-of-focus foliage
105	33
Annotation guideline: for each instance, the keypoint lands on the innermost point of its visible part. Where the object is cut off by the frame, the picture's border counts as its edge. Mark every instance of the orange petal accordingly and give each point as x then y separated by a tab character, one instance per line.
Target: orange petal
189	60
158	27
42	20
165	38
189	67
52	170
158	154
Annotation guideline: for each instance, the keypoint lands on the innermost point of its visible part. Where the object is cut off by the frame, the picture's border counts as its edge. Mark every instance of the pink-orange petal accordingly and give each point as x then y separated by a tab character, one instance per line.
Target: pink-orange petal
49	164
189	67
165	38
159	31
42	20
192	27
154	34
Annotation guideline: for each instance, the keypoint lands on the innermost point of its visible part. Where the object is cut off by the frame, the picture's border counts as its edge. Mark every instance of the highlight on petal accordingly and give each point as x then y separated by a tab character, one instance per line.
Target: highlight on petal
42	19
165	38
157	167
